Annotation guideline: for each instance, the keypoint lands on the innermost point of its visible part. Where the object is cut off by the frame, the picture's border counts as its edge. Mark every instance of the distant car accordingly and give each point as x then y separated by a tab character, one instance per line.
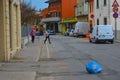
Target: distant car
67	32
39	33
81	29
51	32
71	32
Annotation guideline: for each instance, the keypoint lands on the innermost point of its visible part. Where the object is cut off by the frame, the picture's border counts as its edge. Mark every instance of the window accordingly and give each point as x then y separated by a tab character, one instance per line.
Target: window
105	2
105	21
91	28
97	4
97	21
57	14
90	8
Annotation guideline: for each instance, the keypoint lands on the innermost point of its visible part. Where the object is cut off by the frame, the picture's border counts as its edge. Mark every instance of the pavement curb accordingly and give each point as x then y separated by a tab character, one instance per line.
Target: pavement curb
117	41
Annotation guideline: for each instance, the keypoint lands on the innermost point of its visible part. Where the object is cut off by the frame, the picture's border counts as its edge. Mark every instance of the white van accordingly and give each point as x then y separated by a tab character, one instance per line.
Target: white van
81	29
102	33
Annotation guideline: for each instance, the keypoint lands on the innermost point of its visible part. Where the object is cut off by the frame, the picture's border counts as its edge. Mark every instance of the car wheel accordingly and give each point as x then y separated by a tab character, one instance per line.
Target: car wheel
112	42
90	40
96	41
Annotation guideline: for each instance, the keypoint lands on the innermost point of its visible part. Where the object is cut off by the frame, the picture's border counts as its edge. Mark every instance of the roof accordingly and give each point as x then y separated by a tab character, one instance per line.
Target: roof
49	1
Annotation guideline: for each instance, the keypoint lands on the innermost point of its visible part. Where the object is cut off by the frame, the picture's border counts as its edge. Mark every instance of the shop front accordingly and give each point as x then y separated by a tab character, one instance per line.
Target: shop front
51	24
68	23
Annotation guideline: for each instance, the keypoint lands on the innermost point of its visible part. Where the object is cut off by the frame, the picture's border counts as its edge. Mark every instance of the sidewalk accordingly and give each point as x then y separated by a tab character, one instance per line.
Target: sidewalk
30	53
17	75
117	40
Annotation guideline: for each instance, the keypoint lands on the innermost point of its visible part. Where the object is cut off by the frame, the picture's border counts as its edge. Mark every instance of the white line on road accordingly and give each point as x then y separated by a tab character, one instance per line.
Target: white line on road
48	51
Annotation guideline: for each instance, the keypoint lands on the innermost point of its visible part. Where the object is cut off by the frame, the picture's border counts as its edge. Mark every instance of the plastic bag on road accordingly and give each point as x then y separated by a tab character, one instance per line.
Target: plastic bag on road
93	67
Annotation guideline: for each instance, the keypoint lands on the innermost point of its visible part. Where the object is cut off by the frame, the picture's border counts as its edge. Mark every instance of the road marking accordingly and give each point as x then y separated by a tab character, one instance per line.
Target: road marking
48	51
41	50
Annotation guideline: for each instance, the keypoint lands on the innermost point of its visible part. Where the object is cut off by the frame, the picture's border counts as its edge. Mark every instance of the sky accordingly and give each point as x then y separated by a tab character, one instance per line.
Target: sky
38	4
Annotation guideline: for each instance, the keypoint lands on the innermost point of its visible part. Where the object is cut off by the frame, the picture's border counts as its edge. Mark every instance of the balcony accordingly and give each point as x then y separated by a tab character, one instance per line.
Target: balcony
51	19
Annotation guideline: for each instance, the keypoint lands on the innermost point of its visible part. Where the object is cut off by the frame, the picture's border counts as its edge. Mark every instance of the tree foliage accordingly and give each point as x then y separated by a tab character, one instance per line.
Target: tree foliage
27	13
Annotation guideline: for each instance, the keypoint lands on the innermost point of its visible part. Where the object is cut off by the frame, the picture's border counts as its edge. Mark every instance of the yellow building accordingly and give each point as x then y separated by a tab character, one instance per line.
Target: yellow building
10	28
68	23
90	13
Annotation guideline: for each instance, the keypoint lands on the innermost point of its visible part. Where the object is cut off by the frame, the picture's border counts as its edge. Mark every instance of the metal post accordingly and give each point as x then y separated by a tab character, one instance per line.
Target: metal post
28	33
115	28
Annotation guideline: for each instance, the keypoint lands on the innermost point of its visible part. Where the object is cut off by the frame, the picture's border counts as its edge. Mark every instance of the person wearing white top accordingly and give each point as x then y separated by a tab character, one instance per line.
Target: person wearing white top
47	36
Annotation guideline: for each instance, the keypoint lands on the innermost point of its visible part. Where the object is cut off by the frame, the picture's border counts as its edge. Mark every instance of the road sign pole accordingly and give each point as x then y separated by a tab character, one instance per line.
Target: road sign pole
115	28
115	6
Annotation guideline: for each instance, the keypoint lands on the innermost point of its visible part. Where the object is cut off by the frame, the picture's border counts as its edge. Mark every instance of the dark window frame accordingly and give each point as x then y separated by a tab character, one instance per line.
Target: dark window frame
97	21
97	4
105	2
105	20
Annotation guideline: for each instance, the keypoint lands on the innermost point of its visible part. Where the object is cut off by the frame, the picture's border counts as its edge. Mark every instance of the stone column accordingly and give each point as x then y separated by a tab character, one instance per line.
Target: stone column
7	29
12	27
18	26
2	24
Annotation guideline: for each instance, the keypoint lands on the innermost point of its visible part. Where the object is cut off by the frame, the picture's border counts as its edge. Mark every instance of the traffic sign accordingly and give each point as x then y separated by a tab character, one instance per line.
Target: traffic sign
115	9
92	16
115	4
115	15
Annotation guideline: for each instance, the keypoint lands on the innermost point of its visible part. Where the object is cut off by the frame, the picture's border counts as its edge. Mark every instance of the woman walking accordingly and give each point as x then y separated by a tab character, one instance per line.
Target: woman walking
33	34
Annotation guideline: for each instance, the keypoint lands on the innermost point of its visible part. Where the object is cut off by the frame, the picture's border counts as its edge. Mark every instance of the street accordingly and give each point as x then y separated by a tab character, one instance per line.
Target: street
65	59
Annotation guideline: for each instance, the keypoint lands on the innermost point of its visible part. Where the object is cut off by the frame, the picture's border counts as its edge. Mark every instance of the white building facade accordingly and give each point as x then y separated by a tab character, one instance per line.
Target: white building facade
103	15
81	10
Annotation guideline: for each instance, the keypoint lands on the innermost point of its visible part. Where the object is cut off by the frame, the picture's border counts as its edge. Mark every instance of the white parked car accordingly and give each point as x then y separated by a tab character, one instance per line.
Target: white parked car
81	29
67	32
71	32
102	33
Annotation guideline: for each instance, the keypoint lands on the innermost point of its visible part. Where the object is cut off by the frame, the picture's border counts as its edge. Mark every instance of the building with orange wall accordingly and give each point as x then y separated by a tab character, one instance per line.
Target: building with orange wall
90	14
68	14
52	15
58	13
68	8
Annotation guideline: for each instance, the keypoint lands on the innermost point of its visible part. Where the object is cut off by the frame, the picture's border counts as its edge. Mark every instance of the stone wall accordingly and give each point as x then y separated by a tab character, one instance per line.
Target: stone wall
10	29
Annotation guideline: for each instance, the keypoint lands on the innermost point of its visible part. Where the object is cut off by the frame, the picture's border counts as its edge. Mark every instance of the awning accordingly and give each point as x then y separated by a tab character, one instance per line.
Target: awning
51	19
69	20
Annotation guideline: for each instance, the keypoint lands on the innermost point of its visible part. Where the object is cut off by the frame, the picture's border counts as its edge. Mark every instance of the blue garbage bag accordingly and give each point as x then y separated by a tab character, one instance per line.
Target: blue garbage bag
93	67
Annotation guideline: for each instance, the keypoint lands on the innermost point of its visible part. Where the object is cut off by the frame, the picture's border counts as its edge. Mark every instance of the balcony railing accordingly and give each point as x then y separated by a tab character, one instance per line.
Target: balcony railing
51	19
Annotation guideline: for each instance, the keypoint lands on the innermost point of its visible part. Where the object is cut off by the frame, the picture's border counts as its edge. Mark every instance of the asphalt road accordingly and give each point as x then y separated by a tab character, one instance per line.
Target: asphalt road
66	57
